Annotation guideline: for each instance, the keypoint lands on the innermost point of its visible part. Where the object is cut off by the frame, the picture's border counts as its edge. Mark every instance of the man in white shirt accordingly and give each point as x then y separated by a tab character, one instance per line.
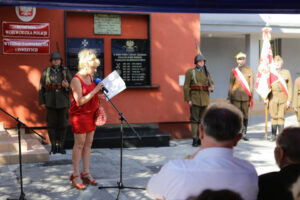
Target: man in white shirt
213	166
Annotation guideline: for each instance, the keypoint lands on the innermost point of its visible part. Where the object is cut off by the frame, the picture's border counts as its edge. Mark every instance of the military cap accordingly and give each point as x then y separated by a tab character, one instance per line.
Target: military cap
240	55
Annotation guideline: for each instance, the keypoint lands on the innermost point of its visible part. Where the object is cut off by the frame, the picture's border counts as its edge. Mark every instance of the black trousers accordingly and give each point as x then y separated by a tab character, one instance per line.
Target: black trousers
57	120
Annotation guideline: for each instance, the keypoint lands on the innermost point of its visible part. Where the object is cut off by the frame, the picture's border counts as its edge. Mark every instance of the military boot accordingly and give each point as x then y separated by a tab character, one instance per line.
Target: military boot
62	140
199	142
244	130
274	130
61	149
195	134
195	143
53	149
280	128
51	134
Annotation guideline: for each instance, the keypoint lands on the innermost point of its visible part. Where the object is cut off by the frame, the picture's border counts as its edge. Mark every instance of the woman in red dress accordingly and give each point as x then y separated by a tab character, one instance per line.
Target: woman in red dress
82	113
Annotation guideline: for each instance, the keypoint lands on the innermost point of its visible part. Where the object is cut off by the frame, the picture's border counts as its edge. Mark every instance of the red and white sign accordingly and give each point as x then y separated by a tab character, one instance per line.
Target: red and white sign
19	29
25	13
26	46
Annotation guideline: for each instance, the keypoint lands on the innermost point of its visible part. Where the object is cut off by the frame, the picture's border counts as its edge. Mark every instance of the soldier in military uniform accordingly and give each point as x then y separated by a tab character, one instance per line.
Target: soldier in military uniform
240	91
278	100
54	96
198	83
296	99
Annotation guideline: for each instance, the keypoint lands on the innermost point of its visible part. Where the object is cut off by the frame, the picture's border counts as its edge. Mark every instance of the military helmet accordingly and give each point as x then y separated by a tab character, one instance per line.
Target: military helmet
198	58
55	55
240	55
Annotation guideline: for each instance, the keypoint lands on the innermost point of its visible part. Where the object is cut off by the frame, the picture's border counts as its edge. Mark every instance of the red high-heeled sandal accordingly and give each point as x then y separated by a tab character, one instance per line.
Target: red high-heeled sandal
85	176
79	186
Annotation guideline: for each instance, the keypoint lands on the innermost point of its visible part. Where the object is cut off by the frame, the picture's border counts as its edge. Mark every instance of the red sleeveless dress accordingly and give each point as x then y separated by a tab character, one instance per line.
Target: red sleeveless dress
83	117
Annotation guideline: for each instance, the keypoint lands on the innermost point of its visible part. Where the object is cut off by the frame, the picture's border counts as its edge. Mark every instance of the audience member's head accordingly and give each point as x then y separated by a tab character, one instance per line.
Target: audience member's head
217	195
287	149
221	123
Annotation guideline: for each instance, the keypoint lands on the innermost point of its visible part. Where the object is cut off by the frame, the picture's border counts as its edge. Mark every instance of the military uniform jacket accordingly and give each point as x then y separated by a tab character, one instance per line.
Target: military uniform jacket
236	92
198	97
277	93
296	97
54	98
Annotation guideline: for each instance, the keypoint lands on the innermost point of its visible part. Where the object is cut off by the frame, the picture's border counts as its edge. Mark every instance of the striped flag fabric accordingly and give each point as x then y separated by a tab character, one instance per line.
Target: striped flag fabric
263	77
267	73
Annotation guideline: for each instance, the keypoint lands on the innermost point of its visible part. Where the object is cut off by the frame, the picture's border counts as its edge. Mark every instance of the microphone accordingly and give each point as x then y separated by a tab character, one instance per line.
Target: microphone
98	80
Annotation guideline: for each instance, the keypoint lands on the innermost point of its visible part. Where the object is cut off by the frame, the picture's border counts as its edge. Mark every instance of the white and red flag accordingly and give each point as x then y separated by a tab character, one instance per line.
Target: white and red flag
266	73
263	81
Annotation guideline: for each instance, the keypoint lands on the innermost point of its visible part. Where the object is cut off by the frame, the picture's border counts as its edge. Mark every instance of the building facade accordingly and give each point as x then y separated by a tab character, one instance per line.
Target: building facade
172	50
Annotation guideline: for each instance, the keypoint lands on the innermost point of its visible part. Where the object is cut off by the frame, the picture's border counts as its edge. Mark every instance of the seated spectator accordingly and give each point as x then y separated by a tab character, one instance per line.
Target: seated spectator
217	195
213	166
278	185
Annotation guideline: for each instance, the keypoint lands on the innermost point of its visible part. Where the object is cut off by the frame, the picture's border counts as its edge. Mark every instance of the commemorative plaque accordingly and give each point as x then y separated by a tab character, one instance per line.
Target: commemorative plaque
75	45
107	24
130	57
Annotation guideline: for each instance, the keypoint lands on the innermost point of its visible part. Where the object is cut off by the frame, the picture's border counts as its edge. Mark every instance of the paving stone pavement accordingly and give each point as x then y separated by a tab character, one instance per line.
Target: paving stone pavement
50	180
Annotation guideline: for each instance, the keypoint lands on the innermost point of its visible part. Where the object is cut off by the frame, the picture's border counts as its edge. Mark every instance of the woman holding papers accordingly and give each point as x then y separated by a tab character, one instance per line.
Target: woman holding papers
82	113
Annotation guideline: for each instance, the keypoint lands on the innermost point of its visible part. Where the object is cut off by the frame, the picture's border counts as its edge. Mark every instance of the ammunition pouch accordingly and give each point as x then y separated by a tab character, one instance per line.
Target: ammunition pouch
53	86
199	87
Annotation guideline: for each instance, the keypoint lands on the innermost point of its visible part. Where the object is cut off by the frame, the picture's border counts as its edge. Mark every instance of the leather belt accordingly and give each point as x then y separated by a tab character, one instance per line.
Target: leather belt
199	87
53	86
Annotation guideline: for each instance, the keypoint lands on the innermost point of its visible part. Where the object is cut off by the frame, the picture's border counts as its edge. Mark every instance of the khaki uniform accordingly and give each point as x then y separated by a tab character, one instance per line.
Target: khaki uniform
57	101
296	98
196	90
236	94
278	99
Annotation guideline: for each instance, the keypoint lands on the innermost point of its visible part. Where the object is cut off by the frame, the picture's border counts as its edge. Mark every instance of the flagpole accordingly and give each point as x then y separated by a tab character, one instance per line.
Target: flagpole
266	121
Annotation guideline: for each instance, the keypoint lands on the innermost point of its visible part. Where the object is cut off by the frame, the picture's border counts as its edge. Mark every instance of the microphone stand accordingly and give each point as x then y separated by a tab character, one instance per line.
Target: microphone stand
19	124
120	184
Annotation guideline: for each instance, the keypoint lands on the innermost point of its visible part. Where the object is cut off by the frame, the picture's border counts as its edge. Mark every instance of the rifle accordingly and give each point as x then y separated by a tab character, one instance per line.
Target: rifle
205	68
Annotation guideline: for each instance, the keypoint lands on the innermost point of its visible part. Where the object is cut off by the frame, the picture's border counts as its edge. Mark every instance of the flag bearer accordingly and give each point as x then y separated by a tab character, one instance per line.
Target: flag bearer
280	97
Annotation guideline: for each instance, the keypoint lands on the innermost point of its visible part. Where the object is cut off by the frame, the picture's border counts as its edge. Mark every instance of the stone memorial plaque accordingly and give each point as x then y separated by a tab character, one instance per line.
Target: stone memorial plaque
107	24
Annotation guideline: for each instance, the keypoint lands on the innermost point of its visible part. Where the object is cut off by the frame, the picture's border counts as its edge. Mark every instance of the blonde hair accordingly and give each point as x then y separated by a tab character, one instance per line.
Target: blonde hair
87	59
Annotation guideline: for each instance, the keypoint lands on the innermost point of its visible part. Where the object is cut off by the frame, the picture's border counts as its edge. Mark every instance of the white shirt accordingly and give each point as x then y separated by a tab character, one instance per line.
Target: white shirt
211	168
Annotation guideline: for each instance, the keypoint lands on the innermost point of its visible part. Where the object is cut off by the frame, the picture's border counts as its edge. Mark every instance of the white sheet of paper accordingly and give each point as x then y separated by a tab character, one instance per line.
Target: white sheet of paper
181	80
114	84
